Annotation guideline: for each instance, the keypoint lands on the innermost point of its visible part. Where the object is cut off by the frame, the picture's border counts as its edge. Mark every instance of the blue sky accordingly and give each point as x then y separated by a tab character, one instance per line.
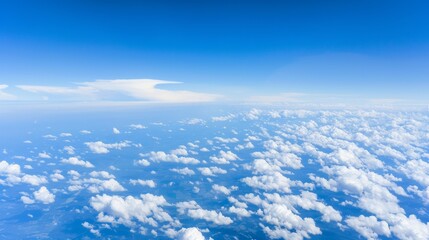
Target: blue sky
238	49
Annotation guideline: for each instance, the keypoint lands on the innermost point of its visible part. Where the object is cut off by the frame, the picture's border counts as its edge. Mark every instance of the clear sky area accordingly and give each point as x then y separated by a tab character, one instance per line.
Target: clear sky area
230	50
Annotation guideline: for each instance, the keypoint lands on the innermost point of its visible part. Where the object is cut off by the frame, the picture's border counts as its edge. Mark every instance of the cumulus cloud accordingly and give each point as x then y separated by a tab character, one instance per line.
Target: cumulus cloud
224	157
116	131
165	157
223	118
221	189
101	148
44	195
211	171
145	209
369	227
193	210
192	233
148	183
78	162
183	171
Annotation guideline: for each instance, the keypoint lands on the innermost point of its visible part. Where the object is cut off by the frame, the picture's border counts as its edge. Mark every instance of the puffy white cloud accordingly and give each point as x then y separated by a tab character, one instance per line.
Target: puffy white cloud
223	118
78	162
369	227
280	153
181	151
183	171
149	183
116	131
55	177
285	220
224	157
43	195
125	210
192	233
276	181
308	201
142	162
6	168
193	210
101	148
226	140
211	171
44	155
109	185
91	228
165	157
34	179
69	150
27	200
195	121
253	114
242	212
417	170
101	174
221	189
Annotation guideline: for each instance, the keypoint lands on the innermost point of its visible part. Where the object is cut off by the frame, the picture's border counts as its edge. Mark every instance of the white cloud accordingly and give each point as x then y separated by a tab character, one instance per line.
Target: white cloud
101	174
226	140
125	210
165	157
195	121
44	155
34	179
56	177
4	95
27	200
193	210
142	162
43	195
190	234
211	171
78	162
6	168
221	189
149	183
242	212
91	228
137	126
70	150
224	157
183	171
116	131
369	227
276	181
139	89
101	148
223	118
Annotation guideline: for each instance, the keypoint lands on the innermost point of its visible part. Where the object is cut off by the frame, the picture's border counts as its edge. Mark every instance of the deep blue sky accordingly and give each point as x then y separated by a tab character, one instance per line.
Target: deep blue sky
363	48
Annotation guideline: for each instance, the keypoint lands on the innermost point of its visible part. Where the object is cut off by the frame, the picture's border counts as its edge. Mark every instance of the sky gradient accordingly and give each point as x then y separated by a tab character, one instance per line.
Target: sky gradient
237	49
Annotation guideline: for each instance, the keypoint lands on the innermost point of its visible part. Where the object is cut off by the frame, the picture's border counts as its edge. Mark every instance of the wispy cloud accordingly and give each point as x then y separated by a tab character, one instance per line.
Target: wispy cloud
4	95
134	89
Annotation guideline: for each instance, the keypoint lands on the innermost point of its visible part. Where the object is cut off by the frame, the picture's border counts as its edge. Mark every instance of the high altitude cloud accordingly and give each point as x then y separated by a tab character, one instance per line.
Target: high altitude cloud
4	95
137	89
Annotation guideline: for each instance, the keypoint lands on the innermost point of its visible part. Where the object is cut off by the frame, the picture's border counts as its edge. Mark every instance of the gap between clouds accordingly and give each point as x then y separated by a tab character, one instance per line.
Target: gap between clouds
135	89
